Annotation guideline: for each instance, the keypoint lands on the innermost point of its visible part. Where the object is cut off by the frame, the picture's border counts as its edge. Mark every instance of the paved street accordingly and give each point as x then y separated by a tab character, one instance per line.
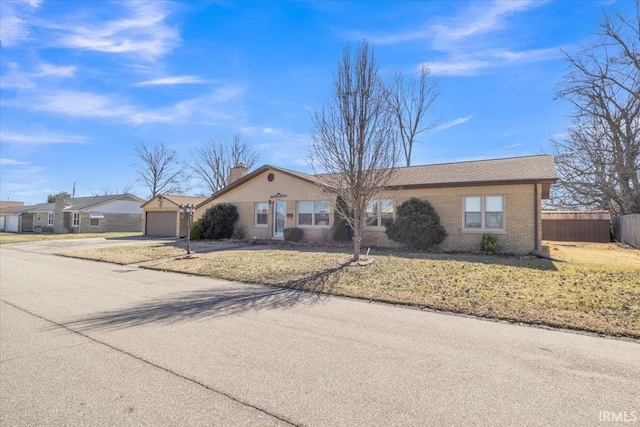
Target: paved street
89	343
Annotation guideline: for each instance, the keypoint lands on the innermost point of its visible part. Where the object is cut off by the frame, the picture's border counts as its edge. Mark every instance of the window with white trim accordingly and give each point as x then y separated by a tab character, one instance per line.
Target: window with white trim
94	222
262	213
50	218
484	212
313	213
76	219
38	217
379	212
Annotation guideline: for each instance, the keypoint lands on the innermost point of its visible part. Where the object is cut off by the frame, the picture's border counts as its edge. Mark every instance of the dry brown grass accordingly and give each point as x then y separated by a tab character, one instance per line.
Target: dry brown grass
39	237
592	287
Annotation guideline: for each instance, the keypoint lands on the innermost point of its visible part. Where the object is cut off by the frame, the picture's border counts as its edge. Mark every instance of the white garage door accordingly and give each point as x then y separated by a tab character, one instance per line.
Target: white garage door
161	223
11	223
1	222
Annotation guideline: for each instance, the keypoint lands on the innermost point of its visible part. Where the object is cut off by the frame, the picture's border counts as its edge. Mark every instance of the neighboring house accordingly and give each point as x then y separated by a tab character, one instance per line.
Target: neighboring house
10	218
162	215
120	212
499	196
10	204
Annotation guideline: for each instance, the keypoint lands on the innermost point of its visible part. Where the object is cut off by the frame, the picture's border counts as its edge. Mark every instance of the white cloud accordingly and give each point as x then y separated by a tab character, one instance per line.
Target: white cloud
39	138
173	80
511	146
142	31
450	124
456	66
51	70
4	161
271	131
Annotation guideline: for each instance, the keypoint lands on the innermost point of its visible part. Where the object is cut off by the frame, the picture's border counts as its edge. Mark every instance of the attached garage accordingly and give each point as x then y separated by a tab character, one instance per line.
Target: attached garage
161	223
12	223
162	215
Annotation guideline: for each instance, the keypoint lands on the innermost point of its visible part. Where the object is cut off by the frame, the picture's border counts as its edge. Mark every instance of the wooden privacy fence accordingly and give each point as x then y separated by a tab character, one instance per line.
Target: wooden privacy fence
576	226
626	229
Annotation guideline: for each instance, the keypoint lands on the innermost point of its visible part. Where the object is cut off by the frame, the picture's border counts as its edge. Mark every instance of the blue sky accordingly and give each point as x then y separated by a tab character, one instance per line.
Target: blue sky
82	82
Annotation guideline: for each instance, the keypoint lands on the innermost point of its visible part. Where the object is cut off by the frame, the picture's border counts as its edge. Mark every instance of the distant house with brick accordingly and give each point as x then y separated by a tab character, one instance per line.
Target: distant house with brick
498	196
95	214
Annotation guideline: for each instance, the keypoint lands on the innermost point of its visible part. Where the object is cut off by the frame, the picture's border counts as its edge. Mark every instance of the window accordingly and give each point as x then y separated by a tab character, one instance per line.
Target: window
94	222
313	213
484	212
379	212
50	218
38	217
76	220
262	213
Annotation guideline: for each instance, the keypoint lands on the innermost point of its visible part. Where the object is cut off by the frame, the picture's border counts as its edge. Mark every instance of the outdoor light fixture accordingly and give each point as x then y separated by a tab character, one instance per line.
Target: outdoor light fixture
188	211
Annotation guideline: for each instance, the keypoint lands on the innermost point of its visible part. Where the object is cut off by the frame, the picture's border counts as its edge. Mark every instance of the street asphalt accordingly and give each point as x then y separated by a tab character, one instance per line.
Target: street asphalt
90	343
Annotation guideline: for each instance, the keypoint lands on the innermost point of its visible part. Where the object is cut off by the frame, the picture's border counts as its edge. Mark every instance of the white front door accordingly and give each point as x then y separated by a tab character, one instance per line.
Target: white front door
279	218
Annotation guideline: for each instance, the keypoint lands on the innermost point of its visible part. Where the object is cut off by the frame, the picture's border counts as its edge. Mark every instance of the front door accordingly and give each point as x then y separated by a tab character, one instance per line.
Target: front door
279	218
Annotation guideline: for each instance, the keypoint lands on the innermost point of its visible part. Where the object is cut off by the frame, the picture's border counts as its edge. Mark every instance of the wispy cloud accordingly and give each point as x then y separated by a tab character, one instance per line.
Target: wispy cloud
173	80
51	70
39	138
469	42
508	147
16	78
12	162
142	30
213	106
15	27
450	124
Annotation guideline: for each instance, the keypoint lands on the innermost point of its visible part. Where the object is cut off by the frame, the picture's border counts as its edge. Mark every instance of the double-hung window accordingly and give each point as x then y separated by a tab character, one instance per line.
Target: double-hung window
379	212
484	212
50	218
262	213
76	220
313	213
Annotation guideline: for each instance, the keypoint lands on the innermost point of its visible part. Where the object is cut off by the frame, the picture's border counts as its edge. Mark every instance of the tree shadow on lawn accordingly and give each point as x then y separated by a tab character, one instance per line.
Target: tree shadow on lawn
211	303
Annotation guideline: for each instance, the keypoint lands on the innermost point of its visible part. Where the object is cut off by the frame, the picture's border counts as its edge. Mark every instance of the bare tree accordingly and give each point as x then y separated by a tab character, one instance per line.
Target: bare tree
158	169
354	149
411	99
212	161
108	190
598	162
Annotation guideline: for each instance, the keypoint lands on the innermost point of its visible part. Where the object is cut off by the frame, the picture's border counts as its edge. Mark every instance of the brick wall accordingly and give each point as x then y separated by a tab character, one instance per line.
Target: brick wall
112	222
518	236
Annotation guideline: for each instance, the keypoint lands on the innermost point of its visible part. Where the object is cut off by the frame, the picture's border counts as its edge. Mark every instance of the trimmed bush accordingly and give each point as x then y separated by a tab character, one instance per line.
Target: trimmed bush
216	223
196	234
341	231
489	244
417	225
292	234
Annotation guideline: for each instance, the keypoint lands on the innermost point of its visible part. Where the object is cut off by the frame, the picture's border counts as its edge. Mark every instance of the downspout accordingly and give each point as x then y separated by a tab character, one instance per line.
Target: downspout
536	231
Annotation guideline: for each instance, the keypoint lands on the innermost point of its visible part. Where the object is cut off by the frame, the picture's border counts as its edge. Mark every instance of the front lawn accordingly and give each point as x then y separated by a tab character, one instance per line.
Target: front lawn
38	237
592	287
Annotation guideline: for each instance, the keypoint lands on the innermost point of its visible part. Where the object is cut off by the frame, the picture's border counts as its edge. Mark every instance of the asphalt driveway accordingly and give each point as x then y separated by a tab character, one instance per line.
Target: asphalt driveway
93	343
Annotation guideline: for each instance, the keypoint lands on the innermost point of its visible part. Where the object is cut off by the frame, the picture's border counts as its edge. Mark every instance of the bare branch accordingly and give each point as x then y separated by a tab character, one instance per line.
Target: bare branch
354	149
158	169
212	161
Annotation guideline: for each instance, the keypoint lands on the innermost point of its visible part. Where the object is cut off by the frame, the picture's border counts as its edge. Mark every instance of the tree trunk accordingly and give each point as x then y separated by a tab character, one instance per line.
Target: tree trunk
356	241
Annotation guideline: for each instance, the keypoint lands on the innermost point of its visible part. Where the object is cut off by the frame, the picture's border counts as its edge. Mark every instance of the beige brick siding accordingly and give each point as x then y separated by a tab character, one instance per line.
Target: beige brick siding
112	222
517	237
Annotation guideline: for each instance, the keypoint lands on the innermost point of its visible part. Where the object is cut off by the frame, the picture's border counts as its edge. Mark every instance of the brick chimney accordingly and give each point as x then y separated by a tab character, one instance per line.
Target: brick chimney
238	171
62	201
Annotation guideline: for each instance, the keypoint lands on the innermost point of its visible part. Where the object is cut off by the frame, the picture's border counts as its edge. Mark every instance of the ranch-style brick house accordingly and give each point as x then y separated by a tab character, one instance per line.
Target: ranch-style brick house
94	214
498	196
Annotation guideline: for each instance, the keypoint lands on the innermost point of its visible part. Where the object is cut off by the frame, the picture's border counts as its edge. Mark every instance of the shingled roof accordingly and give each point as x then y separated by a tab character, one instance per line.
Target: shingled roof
78	203
509	170
180	200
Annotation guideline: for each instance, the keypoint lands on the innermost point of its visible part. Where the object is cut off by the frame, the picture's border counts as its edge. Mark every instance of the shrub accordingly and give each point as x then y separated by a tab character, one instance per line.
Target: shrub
239	233
489	243
417	225
341	231
196	233
292	234
217	222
